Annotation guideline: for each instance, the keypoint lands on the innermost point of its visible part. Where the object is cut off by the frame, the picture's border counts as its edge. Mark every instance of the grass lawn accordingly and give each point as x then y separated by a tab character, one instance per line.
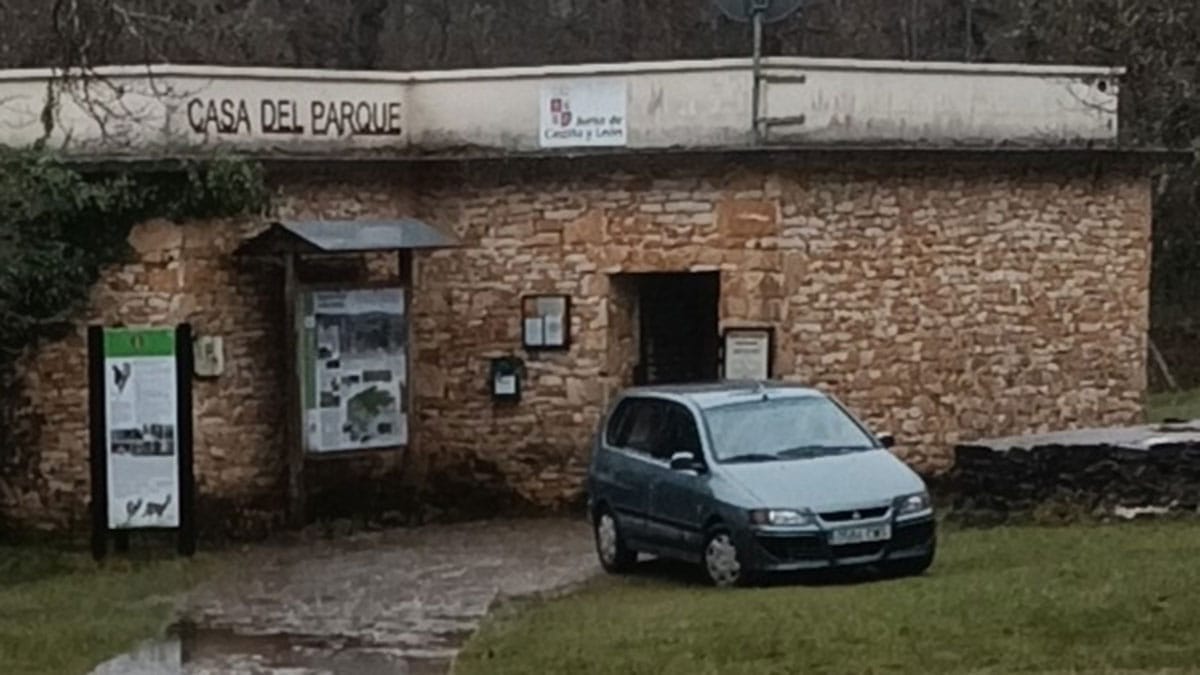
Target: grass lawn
1086	599
60	613
1184	405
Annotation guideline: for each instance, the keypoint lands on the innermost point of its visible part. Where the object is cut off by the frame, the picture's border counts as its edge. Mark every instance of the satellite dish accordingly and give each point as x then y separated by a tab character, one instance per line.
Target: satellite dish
772	11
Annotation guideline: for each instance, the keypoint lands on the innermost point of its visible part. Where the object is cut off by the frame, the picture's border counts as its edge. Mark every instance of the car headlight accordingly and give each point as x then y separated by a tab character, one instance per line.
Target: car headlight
911	504
785	517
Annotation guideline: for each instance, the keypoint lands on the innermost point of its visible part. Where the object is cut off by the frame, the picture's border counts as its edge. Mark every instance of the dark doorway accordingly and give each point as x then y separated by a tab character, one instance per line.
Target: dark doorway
679	332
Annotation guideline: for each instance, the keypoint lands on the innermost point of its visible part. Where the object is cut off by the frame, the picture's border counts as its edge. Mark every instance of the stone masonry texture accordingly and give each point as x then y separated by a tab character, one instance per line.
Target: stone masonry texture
942	303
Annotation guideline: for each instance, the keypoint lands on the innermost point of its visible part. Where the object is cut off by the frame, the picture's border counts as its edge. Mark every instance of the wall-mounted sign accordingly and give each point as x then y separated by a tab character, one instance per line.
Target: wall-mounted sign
506	379
748	353
312	118
135	110
140	412
210	356
354	361
546	322
584	113
142	421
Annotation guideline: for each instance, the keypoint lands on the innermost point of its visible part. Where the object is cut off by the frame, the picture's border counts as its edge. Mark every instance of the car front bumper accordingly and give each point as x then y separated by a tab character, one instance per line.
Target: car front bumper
775	551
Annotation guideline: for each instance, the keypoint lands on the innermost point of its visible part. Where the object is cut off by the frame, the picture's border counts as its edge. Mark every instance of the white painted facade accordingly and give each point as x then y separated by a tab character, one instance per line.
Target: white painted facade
130	110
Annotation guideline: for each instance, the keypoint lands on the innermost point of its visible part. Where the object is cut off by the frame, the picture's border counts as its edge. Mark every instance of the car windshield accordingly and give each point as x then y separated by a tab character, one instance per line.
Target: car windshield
786	428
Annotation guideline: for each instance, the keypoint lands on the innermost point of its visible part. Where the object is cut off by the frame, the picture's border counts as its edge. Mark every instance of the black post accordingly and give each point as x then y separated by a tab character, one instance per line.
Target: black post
293	424
184	366
98	441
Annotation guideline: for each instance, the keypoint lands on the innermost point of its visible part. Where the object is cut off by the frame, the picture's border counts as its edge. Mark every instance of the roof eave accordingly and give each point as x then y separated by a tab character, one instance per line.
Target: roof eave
891	152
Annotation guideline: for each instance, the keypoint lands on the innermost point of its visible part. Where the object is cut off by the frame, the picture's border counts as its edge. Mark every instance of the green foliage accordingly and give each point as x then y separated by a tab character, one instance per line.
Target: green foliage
60	226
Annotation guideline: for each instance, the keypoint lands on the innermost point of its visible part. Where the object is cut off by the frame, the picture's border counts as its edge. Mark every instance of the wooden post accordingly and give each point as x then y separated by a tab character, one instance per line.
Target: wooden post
293	426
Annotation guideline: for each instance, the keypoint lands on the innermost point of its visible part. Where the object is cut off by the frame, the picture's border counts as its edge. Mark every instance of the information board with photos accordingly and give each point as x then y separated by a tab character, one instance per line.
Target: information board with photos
354	361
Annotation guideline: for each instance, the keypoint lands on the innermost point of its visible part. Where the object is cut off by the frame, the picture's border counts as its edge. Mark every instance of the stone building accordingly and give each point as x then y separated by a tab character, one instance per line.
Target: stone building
955	251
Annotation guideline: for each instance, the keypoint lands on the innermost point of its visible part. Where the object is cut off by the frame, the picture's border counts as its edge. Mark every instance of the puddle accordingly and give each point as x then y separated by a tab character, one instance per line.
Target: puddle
395	602
191	651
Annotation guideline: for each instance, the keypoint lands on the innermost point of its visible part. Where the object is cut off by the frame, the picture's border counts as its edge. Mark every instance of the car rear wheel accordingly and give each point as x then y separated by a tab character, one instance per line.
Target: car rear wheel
615	556
723	562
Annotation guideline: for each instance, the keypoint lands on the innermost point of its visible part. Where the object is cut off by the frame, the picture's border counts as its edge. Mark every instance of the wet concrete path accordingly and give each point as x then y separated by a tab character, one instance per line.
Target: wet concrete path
387	602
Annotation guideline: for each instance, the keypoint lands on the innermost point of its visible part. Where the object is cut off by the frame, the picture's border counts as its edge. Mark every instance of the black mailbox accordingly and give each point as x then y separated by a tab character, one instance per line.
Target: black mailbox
506	379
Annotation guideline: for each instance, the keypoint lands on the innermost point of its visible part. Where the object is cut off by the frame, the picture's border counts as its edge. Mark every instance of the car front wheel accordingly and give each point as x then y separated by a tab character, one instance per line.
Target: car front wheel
615	556
723	562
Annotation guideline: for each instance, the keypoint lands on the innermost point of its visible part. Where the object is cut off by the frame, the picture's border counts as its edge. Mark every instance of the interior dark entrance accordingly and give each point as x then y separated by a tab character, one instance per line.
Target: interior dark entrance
678	316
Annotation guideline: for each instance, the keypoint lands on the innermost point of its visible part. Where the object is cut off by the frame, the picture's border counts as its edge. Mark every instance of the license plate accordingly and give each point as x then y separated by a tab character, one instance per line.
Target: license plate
860	535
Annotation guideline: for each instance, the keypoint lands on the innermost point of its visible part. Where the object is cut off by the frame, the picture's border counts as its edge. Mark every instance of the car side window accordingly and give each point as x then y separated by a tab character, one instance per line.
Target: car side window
679	434
645	427
617	432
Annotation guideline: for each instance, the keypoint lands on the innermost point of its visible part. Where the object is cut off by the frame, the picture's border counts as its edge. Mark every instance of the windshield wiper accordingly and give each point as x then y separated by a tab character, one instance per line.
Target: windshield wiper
818	450
752	457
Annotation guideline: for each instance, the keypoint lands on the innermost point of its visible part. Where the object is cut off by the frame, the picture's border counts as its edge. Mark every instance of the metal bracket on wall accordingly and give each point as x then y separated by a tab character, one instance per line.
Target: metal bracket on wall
759	13
764	123
795	120
785	79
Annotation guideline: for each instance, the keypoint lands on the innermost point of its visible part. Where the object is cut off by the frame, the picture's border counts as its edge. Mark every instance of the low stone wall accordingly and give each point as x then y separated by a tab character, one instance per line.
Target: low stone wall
1132	472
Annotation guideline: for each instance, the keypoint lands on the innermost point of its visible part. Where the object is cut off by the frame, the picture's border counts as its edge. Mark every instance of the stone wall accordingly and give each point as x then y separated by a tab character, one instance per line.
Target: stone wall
183	272
180	272
942	303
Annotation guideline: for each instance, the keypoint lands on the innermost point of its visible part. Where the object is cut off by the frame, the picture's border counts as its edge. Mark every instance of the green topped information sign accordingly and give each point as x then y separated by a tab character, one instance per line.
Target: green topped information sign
141	420
140	434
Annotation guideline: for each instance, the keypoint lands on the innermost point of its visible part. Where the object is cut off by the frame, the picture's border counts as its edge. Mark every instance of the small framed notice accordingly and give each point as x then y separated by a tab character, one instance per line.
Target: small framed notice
546	322
748	353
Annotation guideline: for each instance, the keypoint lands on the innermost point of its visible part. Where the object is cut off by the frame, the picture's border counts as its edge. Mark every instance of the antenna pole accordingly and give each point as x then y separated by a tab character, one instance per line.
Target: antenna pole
756	104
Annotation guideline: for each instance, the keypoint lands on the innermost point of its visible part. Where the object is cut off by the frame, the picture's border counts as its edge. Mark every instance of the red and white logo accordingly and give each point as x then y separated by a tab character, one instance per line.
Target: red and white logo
560	111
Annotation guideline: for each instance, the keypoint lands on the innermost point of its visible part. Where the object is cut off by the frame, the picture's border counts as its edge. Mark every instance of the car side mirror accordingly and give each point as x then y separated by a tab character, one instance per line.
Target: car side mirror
686	461
887	440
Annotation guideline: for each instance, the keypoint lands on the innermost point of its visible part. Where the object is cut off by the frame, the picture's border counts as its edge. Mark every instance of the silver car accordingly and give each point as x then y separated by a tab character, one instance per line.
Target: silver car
749	478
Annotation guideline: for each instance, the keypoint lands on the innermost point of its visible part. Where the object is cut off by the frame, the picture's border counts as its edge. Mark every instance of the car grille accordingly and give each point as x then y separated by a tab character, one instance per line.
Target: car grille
794	548
858	550
912	536
862	514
